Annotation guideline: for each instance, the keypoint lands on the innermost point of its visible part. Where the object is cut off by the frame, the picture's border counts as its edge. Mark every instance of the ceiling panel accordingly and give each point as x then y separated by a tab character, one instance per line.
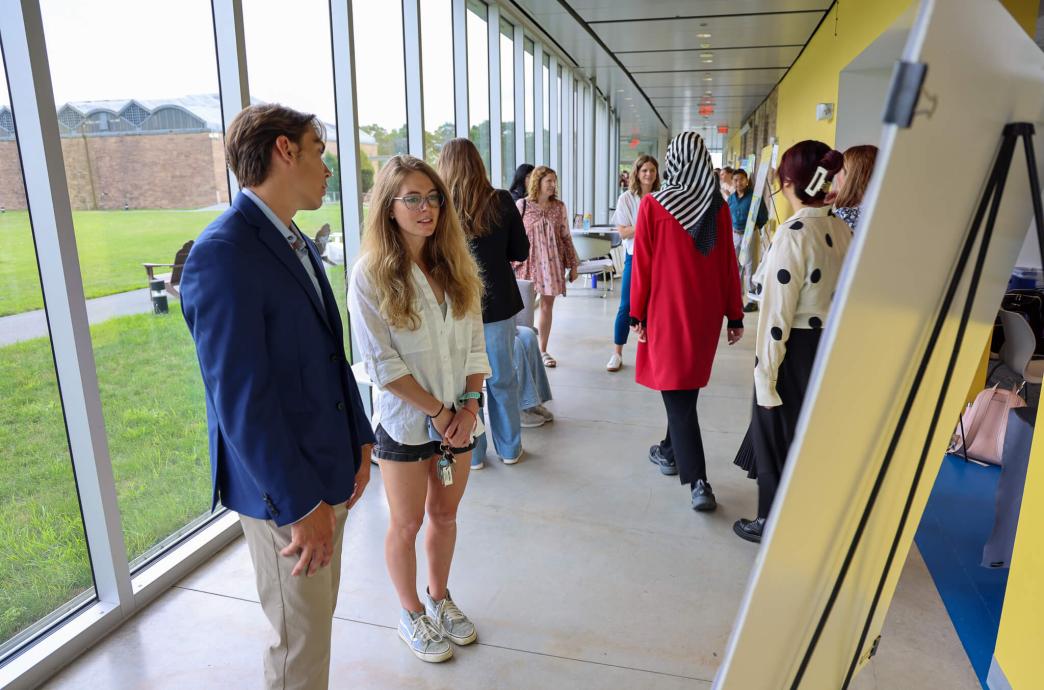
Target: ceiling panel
761	77
766	29
600	10
737	58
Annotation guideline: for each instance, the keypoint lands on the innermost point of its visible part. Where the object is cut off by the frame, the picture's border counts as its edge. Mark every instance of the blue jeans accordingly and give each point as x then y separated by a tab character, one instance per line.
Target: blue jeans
533	387
501	393
623	314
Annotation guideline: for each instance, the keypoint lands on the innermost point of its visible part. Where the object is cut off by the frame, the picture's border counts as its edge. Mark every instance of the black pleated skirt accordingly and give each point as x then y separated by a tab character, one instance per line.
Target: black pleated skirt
774	429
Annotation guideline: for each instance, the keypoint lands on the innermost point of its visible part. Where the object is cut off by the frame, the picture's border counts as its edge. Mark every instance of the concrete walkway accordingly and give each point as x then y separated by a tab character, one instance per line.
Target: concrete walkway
33	324
582	566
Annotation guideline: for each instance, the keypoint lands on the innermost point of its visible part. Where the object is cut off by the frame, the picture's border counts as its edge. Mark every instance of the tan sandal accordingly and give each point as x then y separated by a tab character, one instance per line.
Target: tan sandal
548	360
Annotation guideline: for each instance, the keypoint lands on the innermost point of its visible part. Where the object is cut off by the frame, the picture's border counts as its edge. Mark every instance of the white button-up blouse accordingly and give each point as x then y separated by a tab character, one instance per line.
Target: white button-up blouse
440	354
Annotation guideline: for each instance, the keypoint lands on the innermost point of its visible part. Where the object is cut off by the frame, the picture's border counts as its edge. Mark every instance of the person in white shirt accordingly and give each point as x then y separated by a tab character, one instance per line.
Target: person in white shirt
796	281
415	298
644	178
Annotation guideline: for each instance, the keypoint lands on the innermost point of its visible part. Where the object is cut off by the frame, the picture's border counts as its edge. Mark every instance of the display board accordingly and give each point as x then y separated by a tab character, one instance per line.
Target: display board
861	469
767	164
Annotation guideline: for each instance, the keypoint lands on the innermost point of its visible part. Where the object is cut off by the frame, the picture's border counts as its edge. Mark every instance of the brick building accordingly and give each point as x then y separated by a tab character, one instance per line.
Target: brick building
134	154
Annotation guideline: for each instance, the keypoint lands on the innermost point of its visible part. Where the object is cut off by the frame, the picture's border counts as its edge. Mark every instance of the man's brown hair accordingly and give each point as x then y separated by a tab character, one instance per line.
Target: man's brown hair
253	132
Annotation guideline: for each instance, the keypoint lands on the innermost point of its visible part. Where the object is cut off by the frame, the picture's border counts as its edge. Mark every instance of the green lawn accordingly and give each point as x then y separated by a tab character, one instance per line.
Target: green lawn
112	246
152	399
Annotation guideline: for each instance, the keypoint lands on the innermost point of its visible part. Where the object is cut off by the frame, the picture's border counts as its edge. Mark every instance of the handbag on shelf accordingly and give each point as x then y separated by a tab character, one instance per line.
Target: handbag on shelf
980	430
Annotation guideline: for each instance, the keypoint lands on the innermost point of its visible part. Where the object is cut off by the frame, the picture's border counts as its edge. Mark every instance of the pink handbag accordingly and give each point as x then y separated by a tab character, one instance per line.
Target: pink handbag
980	431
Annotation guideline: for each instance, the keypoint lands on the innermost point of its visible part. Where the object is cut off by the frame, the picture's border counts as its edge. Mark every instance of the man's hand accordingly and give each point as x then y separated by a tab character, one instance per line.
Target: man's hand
734	335
362	477
312	538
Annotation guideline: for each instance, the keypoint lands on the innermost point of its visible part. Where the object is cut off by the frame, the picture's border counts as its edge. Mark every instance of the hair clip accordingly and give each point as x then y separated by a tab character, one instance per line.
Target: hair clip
819	181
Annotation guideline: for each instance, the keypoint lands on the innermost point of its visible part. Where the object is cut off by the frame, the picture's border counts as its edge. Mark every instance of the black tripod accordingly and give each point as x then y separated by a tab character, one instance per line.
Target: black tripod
987	209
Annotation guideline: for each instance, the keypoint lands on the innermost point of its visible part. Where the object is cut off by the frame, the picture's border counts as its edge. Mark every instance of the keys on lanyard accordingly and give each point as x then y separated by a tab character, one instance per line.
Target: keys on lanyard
444	467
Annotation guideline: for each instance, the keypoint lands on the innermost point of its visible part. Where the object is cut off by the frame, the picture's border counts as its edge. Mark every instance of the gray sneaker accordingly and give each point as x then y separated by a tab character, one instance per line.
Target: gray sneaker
449	620
422	636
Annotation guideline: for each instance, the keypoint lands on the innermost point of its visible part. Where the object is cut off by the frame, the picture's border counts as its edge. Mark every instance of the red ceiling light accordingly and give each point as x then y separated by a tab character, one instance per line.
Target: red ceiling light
634	143
706	110
723	129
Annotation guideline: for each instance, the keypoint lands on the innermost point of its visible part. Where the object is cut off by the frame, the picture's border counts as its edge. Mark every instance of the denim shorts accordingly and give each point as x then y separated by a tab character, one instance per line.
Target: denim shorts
388	448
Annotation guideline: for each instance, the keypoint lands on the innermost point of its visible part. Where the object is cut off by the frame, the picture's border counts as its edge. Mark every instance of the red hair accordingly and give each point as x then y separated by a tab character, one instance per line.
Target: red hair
799	164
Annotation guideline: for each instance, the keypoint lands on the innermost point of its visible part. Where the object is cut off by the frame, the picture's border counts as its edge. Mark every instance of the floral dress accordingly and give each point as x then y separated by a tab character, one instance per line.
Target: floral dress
551	251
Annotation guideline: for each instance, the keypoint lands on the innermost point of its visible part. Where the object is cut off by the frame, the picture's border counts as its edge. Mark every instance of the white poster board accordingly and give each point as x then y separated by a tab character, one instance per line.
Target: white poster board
761	177
889	297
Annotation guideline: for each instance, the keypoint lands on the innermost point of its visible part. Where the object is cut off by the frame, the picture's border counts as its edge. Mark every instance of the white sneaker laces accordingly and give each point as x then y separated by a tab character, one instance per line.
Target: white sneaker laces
448	609
424	628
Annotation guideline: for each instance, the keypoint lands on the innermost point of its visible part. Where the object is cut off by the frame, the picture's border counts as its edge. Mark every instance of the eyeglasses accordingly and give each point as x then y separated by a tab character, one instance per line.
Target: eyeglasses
415	202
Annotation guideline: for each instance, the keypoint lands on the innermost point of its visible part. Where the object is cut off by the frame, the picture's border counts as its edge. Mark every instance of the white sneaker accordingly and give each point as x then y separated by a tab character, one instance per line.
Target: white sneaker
423	636
531	420
615	362
543	412
512	461
449	620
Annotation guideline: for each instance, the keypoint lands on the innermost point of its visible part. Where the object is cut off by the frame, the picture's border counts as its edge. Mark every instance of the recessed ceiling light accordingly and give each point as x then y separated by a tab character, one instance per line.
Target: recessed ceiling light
707	61
703	35
708	78
706	55
708	93
705	45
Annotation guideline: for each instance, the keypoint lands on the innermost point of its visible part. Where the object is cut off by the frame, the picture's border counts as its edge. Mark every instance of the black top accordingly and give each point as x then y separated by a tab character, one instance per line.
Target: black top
505	242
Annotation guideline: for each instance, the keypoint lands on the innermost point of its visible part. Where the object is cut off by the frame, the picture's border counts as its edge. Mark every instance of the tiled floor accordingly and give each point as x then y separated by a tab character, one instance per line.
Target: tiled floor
582	566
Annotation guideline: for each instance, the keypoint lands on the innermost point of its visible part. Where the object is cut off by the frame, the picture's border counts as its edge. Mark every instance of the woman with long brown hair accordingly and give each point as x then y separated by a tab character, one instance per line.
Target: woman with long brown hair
644	178
551	251
497	237
415	298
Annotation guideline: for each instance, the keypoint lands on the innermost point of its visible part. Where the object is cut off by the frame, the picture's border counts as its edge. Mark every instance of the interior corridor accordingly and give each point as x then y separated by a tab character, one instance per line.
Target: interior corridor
582	566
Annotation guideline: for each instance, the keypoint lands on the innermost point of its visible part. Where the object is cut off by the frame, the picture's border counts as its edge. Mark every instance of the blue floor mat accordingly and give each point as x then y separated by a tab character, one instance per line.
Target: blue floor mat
955	526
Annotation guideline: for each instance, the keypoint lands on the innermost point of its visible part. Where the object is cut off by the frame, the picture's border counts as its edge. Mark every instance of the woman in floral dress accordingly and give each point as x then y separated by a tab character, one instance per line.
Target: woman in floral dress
551	252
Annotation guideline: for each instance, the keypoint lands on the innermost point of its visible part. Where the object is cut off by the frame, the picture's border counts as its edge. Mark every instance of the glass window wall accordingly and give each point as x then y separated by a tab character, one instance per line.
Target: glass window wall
45	567
143	99
546	89
528	86
507	101
478	79
436	20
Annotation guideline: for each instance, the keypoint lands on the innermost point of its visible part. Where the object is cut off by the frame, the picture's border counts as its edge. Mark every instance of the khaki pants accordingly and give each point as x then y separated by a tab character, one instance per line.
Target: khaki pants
300	608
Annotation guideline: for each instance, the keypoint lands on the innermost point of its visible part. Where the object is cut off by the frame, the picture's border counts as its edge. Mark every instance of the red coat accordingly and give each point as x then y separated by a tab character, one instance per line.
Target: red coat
682	295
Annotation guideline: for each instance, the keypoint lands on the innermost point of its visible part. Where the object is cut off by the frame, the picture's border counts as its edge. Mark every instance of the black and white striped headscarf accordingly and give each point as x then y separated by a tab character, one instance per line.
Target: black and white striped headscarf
690	190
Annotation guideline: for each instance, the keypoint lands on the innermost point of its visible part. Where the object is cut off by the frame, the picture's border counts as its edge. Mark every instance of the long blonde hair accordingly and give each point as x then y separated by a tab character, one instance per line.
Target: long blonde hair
471	194
535	178
446	252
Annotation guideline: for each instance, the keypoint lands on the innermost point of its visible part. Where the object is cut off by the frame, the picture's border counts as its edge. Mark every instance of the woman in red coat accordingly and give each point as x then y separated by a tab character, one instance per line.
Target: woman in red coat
684	283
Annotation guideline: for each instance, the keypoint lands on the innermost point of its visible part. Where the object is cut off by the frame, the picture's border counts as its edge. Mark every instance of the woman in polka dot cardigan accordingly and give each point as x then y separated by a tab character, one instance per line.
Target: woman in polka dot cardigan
796	281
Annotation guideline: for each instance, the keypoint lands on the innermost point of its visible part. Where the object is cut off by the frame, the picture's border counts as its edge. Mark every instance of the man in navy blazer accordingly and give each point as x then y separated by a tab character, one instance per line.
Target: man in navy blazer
289	439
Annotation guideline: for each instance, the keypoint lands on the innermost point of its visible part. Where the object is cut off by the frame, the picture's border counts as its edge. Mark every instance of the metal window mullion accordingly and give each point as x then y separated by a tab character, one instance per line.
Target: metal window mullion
460	66
230	48
496	124
601	176
538	103
589	160
411	41
568	173
342	37
520	95
554	105
50	213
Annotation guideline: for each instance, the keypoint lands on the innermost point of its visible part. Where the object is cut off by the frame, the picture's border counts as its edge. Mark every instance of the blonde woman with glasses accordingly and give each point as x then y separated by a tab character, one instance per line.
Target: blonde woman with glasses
415	298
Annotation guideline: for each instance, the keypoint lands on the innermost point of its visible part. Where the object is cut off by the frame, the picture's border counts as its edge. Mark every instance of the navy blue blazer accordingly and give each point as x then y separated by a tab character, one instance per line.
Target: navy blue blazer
286	421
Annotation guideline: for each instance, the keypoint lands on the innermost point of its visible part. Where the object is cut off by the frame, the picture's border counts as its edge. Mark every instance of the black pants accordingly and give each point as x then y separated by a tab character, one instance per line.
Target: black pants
772	429
683	434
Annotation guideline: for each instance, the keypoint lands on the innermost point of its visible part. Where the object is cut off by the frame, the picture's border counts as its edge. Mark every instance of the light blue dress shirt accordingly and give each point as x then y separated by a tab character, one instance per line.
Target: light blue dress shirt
293	238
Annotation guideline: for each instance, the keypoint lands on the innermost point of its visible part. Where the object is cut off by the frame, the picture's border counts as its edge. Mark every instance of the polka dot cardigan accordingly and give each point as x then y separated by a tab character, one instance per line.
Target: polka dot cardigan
796	282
